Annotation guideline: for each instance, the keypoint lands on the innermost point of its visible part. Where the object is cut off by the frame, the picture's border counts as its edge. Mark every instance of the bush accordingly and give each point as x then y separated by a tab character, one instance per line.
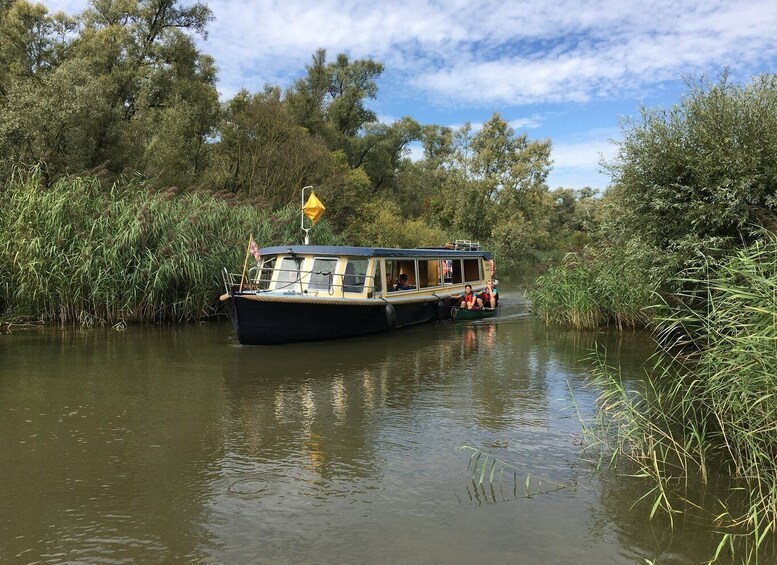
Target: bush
589	291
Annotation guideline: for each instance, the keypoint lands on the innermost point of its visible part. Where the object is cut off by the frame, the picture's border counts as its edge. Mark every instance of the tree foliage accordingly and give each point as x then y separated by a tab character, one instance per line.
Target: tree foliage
122	84
122	88
701	175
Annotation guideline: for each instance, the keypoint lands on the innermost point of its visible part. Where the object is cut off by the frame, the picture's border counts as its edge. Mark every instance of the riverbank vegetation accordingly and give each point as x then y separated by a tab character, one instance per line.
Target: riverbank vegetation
708	409
79	252
685	245
121	97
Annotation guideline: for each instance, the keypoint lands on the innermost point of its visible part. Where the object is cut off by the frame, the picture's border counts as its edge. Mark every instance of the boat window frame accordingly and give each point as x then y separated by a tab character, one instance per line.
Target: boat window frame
365	276
286	285
400	270
468	274
458	271
376	288
440	281
333	281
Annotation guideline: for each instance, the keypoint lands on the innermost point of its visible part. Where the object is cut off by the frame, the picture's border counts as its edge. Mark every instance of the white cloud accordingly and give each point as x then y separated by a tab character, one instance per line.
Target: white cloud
576	161
492	51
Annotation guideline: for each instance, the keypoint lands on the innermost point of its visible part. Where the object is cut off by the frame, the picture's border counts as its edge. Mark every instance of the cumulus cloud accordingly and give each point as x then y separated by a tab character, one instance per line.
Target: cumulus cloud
491	52
463	59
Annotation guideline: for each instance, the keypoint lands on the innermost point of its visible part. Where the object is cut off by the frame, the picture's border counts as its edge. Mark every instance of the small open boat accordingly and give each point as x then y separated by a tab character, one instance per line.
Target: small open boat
461	315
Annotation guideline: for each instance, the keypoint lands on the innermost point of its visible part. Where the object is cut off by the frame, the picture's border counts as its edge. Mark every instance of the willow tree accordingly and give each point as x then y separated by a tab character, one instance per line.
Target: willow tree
121	85
699	176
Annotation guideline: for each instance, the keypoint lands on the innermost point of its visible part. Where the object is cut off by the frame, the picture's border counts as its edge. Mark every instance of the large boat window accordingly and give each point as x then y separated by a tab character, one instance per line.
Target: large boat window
429	273
322	275
455	272
288	274
472	270
395	268
355	275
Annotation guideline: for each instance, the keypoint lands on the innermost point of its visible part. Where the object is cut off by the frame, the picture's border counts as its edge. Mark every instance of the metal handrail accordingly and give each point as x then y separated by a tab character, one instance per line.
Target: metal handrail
259	283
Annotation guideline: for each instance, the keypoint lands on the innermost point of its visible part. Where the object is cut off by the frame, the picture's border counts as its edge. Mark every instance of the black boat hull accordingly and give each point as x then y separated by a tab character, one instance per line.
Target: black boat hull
267	322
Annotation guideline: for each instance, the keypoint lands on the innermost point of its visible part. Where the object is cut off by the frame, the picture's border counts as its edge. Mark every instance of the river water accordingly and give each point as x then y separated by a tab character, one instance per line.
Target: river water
175	444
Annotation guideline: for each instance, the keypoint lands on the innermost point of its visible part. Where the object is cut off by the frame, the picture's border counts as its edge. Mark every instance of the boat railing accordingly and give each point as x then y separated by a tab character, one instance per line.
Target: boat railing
466	245
293	281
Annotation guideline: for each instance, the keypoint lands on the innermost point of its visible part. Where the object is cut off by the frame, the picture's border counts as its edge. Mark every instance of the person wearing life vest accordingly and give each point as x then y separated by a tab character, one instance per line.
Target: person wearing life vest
469	301
490	295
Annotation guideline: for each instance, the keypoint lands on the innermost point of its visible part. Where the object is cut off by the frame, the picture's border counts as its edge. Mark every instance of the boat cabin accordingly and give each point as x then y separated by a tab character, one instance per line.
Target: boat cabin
310	293
352	272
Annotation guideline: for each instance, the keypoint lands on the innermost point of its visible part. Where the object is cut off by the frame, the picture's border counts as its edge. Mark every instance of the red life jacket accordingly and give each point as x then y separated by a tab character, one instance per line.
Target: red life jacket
469	297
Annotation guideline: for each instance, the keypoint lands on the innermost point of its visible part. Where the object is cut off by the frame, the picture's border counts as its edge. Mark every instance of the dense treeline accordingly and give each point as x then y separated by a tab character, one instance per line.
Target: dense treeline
123	89
685	241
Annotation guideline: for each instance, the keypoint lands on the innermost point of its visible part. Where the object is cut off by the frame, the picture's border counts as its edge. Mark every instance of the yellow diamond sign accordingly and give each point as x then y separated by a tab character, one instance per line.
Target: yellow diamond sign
313	208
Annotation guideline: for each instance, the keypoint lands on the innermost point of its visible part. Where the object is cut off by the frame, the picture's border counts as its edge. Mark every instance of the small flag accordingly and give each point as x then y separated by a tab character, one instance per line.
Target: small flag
254	249
313	208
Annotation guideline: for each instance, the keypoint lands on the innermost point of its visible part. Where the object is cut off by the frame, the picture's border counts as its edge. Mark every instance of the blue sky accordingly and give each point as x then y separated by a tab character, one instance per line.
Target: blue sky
564	70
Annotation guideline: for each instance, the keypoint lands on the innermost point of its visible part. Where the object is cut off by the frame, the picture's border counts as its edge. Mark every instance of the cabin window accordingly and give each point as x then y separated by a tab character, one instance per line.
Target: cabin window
288	274
355	275
472	270
457	273
429	273
395	268
322	274
264	274
447	270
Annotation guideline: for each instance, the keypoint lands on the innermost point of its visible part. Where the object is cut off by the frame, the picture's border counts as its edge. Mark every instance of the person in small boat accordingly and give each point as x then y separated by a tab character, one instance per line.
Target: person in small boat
469	301
490	295
402	284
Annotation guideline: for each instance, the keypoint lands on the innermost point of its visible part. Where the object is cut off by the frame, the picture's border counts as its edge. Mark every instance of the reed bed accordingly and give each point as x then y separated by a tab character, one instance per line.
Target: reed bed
709	407
587	293
80	253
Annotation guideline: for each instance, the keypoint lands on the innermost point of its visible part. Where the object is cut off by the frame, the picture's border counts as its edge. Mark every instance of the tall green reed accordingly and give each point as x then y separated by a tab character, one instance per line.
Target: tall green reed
709	404
79	253
592	291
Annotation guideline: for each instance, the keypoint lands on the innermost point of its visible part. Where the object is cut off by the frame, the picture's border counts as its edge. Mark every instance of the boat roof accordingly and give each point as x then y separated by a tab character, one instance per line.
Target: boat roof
340	250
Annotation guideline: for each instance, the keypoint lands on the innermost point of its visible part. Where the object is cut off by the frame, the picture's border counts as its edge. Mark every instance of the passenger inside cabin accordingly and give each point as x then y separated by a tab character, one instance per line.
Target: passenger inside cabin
469	301
402	284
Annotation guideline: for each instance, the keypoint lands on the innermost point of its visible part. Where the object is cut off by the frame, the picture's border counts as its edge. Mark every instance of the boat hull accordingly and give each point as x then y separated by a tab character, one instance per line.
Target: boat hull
461	315
267	322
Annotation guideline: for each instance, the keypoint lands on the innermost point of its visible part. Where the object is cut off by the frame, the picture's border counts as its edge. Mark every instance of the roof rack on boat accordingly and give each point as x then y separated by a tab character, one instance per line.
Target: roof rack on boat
466	245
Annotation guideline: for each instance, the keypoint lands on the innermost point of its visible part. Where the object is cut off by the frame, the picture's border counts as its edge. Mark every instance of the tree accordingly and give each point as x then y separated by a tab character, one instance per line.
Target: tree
492	186
330	99
330	102
701	175
121	85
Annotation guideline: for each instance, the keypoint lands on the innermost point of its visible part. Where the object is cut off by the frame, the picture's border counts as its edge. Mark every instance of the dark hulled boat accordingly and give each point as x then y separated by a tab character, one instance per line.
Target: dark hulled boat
310	293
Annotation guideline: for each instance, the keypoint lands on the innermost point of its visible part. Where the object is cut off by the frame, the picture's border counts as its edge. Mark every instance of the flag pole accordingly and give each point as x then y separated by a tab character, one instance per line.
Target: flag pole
302	215
245	263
